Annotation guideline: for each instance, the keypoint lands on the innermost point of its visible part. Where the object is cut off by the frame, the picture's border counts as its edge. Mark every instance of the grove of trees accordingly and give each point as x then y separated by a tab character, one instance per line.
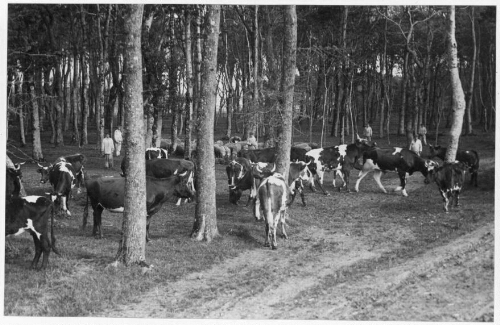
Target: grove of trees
379	64
251	68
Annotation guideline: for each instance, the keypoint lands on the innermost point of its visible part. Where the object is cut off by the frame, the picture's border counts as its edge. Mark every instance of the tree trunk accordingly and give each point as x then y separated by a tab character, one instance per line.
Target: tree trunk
172	88
58	97
74	101
37	145
205	224
458	100
470	93
287	85
189	85
132	248
85	85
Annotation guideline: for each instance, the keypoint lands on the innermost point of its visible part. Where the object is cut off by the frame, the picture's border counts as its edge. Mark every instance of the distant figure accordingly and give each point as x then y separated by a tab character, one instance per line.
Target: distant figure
107	149
422	131
416	145
118	140
368	132
252	141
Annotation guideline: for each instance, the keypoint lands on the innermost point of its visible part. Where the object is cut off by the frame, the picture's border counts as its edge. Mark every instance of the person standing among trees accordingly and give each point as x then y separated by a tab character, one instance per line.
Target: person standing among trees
107	150
252	141
117	136
368	132
422	131
416	145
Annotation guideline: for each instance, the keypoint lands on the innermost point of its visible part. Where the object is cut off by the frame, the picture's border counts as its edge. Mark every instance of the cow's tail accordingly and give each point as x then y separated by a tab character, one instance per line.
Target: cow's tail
52	236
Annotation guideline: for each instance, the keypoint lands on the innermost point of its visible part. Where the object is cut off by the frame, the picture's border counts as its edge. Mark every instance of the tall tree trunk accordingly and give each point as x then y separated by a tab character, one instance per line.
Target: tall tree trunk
287	85
205	224
470	92
189	85
458	99
74	101
85	85
58	97
172	88
37	145
132	248
20	107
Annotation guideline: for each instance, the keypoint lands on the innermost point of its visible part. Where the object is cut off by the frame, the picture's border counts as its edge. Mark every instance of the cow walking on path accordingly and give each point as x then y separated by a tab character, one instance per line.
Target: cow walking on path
450	179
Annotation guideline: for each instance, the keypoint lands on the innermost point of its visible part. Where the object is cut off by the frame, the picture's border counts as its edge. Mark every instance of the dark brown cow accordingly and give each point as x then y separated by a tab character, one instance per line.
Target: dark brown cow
450	179
62	177
109	192
469	157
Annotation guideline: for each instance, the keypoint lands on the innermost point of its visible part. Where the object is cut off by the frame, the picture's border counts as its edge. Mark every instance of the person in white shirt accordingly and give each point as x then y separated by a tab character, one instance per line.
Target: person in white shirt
416	145
107	149
368	132
117	136
252	141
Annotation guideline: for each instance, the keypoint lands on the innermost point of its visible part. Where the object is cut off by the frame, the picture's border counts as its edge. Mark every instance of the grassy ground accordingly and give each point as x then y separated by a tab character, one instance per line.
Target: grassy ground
351	256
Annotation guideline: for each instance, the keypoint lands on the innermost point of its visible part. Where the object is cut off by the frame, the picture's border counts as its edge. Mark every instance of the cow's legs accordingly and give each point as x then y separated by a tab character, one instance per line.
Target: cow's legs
46	248
38	250
319	177
273	224
457	198
445	200
362	175
344	174
283	223
148	221
97	231
402	187
256	208
266	242
377	174
178	201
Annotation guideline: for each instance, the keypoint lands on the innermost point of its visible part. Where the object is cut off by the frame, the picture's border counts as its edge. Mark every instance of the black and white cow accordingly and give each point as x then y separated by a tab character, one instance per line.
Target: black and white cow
349	156
109	193
62	177
299	175
239	178
77	161
154	153
321	160
469	157
272	200
399	160
31	213
450	179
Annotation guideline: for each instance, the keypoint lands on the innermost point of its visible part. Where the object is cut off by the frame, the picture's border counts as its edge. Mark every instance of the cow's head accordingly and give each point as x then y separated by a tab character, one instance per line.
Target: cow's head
430	170
44	172
235	172
185	187
364	144
262	170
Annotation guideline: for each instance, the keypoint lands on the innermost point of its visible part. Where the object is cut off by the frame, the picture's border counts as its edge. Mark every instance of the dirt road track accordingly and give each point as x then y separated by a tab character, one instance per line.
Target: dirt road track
439	285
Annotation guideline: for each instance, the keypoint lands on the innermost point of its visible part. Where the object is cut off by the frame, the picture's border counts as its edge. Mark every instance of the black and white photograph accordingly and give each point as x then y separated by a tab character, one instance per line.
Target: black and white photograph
248	161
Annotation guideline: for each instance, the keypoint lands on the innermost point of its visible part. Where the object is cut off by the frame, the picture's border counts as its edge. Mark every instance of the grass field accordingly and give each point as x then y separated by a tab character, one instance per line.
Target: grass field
349	256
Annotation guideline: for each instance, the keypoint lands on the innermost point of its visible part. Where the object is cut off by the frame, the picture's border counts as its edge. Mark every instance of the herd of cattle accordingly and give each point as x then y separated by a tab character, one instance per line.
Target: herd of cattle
255	170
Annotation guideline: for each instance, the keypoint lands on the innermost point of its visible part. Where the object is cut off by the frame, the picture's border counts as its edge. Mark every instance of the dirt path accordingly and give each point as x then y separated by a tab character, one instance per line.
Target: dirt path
436	286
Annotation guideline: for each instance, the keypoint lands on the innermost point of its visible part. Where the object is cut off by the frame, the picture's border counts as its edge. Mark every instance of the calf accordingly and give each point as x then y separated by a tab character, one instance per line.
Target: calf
109	193
31	213
400	160
13	182
349	156
298	174
469	157
77	161
154	153
272	200
450	179
320	160
239	178
62	177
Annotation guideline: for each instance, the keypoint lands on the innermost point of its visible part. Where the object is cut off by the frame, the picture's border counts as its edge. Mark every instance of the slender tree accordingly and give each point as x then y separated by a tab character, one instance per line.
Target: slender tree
37	144
470	92
132	248
287	85
189	83
205	224
457	97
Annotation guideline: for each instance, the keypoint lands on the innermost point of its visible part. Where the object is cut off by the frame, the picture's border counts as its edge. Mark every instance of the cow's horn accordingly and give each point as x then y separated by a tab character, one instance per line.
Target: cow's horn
183	174
274	168
39	165
176	171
